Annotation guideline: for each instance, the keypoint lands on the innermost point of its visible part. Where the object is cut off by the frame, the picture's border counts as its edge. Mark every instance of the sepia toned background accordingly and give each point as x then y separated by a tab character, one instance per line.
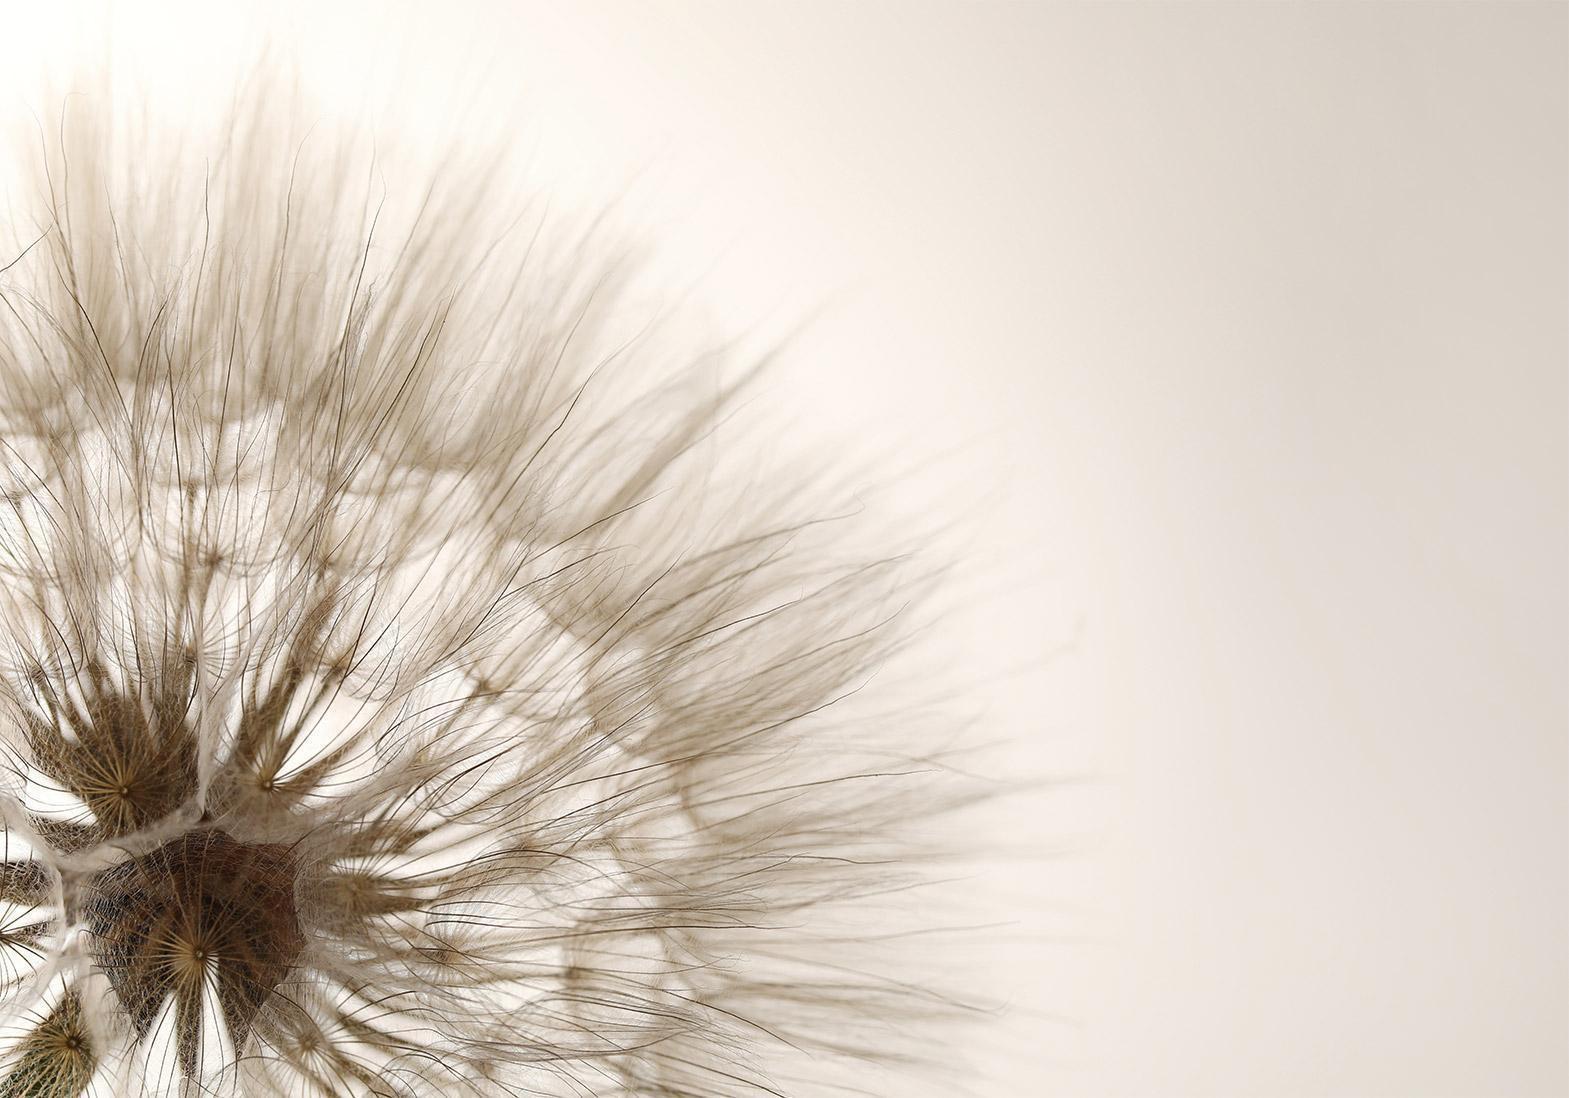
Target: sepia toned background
1237	334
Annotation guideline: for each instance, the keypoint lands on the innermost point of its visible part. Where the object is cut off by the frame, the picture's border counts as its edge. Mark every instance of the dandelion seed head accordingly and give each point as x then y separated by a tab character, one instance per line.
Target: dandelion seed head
393	699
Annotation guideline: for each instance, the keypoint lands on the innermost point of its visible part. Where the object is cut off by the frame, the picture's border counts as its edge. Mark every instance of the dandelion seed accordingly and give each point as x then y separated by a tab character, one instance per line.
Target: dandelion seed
390	702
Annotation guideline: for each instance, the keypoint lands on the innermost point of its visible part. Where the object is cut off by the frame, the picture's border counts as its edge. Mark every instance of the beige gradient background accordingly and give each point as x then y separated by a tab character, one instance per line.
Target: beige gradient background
1241	331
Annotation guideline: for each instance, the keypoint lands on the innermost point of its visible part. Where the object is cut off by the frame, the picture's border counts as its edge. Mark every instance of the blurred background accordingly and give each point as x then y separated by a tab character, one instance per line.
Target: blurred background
1237	334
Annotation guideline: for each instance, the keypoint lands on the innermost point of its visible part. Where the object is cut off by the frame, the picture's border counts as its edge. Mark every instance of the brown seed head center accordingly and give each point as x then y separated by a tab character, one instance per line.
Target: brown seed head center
204	913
